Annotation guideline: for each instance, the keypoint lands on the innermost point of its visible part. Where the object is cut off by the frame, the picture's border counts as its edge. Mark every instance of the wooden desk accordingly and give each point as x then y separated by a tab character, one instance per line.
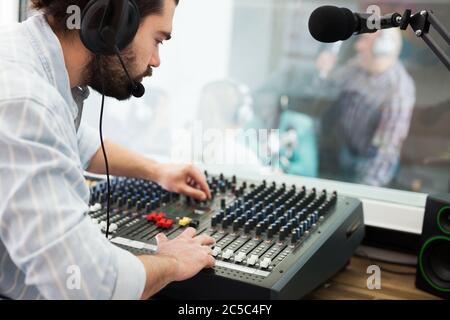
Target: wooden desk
351	283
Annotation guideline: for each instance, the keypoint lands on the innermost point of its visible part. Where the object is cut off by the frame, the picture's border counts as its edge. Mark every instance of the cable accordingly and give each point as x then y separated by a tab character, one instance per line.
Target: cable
108	200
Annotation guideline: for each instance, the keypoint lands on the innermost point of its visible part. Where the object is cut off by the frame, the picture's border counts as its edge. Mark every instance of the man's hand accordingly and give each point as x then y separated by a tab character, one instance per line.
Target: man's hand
176	260
185	179
190	253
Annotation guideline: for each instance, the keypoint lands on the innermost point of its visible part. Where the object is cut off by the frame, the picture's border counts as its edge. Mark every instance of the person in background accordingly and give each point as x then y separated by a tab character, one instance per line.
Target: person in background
371	116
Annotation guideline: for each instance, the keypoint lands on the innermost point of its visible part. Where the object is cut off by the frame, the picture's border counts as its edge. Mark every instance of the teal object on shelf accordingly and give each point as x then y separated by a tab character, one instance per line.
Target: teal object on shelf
298	144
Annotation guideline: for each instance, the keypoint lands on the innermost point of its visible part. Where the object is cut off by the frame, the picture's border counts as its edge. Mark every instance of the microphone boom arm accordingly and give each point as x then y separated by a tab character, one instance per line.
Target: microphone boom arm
420	23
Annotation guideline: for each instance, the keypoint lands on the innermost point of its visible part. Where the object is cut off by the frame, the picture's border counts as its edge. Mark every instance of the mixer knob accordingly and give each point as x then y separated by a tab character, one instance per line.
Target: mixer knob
294	236
270	232
102	225
240	257
301	230
236	224
214	221
309	221
276	226
232	216
194	224
247	227
95	207
290	213
265	263
252	260
222	203
259	229
225	222
227	254
216	251
315	216
283	233
129	203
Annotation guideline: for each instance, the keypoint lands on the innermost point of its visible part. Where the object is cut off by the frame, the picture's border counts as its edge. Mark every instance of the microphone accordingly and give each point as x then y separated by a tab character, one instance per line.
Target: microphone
330	24
136	89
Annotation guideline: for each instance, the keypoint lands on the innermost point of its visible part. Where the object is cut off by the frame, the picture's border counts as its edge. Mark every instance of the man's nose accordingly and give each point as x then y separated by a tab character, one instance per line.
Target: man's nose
155	61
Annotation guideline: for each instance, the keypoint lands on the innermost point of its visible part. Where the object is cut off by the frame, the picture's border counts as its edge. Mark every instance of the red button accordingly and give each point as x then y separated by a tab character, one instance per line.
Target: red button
155	216
151	216
165	223
160	216
161	223
168	224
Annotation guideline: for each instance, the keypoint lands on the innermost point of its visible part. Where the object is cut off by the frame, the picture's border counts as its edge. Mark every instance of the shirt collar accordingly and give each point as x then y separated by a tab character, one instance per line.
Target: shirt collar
51	56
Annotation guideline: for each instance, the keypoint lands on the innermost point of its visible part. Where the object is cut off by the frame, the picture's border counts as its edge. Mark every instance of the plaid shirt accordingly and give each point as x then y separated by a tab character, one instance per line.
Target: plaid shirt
373	119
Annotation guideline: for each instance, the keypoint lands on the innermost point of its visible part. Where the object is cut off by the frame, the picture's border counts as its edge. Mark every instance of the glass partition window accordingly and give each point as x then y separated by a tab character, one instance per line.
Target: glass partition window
243	83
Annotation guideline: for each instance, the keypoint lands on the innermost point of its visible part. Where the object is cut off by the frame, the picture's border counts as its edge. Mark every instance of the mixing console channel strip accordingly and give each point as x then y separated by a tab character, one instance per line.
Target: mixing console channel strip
273	241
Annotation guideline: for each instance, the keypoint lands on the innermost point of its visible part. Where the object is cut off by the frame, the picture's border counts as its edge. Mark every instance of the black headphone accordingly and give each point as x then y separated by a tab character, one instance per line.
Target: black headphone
108	27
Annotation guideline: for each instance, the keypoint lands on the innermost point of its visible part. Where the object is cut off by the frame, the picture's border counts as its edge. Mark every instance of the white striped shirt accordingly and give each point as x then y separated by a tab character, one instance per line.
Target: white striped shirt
47	239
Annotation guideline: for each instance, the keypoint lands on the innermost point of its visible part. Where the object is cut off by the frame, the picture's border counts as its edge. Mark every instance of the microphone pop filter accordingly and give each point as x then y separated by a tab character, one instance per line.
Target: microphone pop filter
330	24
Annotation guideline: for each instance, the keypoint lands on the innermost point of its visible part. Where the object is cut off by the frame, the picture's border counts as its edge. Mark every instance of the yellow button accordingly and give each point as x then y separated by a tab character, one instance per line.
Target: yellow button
184	221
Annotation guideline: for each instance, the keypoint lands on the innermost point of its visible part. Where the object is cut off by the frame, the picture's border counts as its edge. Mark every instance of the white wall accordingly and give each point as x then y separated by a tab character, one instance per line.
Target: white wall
198	53
9	11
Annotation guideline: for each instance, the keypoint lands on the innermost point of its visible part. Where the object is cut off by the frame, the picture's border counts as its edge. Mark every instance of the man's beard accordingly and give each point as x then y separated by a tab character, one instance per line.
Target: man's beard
106	72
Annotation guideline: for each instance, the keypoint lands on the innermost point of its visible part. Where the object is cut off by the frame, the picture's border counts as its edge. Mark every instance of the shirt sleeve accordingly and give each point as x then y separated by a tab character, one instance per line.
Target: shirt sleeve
88	143
43	205
388	139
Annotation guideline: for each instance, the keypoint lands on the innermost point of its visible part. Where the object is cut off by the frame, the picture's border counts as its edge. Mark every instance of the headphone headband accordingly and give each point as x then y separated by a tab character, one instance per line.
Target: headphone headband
107	24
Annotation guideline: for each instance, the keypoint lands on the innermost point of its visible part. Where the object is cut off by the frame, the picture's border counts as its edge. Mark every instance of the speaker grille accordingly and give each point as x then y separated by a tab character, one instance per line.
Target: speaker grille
434	263
444	220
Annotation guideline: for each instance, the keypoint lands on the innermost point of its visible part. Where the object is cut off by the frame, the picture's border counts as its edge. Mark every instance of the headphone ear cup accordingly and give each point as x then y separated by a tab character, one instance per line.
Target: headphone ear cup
91	19
128	26
125	29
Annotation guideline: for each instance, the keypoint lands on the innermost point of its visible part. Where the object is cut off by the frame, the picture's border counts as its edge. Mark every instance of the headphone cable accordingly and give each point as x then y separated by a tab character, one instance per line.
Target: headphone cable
108	200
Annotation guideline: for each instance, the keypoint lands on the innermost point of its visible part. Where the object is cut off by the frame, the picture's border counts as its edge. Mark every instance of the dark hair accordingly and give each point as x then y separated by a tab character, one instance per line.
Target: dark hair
58	8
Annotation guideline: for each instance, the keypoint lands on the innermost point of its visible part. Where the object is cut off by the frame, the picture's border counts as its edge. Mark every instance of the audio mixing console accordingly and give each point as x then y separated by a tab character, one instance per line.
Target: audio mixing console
273	241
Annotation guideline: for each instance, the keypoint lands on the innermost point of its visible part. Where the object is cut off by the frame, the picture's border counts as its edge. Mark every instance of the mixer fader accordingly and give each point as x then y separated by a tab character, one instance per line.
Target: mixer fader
273	240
